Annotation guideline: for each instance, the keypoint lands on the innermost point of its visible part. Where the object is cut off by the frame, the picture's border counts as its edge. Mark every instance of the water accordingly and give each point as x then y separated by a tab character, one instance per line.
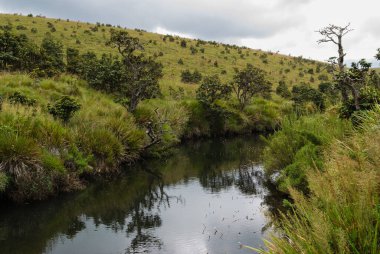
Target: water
205	198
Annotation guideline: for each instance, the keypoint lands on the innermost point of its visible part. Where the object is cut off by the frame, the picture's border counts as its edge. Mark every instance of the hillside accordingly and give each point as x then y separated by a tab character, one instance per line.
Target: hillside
58	132
210	58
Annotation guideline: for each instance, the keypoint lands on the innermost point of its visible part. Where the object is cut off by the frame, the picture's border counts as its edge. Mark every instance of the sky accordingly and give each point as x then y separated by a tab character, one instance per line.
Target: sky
287	26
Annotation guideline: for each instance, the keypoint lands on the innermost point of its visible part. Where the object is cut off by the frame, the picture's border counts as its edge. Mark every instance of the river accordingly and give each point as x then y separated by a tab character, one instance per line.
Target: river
207	197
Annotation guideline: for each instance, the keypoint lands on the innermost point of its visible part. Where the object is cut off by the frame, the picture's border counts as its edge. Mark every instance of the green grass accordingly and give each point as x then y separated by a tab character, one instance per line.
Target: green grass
341	214
40	151
70	31
53	156
298	146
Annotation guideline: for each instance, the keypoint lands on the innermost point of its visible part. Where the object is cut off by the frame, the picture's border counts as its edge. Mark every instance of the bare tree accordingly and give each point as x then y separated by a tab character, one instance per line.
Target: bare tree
335	34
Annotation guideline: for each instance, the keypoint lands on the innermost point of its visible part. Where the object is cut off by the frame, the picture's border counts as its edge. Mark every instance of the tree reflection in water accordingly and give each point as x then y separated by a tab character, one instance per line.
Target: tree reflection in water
133	205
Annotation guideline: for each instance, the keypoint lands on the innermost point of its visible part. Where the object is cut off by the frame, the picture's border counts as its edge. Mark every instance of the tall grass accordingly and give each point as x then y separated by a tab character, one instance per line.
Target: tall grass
298	146
342	212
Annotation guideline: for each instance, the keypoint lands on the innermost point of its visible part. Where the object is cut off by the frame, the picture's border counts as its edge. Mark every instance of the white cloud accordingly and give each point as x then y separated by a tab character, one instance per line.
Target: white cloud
284	25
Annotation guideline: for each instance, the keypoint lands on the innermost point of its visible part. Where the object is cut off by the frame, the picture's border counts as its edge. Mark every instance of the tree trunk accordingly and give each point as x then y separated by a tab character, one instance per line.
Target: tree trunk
355	95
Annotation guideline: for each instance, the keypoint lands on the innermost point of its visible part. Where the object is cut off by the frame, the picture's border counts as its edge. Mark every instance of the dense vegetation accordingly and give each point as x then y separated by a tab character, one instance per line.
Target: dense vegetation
341	213
73	115
329	165
80	100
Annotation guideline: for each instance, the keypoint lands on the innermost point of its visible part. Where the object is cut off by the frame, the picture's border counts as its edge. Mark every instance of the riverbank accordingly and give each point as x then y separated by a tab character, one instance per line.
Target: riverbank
43	156
204	185
333	182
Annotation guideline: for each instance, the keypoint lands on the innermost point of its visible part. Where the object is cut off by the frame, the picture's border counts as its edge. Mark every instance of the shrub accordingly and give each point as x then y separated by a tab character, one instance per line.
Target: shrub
19	98
64	108
304	93
282	90
369	97
191	77
193	50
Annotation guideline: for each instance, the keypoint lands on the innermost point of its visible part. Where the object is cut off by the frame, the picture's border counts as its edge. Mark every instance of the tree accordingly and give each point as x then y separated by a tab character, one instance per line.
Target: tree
304	93
139	75
335	34
282	90
183	44
17	52
211	90
355	78
51	57
188	77
248	83
377	56
330	91
73	60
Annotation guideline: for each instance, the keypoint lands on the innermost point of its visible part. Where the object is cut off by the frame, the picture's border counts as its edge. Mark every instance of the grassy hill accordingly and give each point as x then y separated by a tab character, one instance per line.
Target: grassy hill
168	49
42	155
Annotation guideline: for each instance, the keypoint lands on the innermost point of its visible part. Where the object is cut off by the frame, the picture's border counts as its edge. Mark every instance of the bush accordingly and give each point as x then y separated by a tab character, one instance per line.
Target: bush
64	108
304	93
369	97
19	98
282	90
189	77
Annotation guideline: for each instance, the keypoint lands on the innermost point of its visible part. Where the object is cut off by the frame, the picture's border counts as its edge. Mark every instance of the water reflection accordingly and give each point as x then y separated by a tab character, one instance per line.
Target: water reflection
204	199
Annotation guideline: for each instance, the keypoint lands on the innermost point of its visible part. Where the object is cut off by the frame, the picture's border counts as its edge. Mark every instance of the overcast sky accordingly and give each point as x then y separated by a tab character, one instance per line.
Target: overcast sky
278	25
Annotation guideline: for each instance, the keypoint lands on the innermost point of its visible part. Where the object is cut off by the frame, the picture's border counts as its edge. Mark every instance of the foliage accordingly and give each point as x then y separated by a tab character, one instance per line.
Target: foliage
51	62
211	90
139	75
330	92
64	108
341	213
188	77
297	148
369	97
283	90
304	93
18	98
17	52
248	83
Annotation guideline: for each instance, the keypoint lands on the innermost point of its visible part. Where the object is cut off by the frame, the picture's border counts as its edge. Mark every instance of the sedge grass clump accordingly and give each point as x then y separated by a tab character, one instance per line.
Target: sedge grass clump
169	119
341	214
103	145
21	161
298	146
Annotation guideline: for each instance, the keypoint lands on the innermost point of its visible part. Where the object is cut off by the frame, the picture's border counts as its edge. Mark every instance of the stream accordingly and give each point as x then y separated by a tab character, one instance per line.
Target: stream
207	197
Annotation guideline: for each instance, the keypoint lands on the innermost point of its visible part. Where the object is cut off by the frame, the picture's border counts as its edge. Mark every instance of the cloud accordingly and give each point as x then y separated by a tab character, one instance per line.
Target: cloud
285	25
212	19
